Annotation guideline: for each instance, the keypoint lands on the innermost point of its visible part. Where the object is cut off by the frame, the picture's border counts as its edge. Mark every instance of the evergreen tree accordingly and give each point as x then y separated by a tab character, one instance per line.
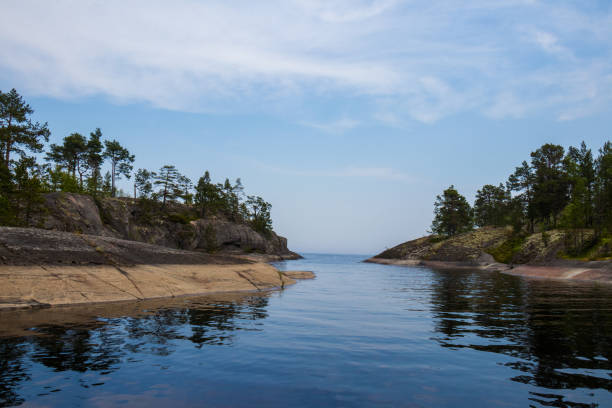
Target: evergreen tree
550	194
207	196
453	214
94	159
259	214
121	161
72	155
603	194
17	131
184	187
167	180
492	206
29	188
107	184
523	182
143	182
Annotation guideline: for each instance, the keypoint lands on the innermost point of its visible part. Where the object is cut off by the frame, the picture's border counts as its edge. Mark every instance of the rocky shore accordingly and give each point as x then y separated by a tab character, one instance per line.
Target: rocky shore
45	268
534	256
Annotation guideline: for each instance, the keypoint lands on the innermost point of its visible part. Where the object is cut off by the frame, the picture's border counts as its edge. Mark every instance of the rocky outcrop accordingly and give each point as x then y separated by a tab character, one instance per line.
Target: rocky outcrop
176	227
498	249
42	268
470	247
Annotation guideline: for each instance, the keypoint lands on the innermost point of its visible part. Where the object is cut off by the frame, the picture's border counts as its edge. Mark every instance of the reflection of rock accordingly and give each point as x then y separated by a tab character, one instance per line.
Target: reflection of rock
176	227
89	338
300	274
40	267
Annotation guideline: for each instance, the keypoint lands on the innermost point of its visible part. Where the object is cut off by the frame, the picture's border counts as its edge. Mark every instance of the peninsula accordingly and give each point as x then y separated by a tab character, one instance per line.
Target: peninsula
551	219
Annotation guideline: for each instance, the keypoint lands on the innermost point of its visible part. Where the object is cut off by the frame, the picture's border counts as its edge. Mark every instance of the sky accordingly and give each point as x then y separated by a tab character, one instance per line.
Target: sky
348	116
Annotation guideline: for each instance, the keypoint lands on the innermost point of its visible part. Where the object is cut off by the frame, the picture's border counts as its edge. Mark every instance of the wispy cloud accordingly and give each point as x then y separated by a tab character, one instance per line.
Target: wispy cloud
424	61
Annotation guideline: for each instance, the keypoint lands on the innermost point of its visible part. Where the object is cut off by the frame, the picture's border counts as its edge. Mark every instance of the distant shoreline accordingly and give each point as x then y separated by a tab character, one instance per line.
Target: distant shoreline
603	273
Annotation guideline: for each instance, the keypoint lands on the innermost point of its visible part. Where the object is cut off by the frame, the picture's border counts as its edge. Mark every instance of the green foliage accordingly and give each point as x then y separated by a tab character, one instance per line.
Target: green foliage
180	218
453	214
71	155
75	166
550	193
505	252
60	180
207	196
121	161
168	182
492	206
94	159
258	211
18	134
143	182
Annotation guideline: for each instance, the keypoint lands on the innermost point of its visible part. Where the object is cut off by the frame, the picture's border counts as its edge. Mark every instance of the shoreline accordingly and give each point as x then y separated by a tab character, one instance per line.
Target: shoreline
42	268
46	286
571	271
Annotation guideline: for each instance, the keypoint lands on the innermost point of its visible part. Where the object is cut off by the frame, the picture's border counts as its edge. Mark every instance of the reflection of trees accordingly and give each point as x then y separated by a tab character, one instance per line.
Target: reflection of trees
12	371
103	345
77	348
548	325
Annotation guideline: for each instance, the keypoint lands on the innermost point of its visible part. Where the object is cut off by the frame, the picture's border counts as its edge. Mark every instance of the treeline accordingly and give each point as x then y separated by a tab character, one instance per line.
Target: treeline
556	189
76	165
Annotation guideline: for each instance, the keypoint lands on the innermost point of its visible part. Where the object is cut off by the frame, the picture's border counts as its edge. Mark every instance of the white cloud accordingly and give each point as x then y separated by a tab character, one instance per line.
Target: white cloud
411	60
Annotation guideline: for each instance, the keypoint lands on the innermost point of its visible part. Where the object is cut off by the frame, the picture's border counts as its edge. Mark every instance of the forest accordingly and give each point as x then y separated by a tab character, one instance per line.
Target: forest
29	169
556	189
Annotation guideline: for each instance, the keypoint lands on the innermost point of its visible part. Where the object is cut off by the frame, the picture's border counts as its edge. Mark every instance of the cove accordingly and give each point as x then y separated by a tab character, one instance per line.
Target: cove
357	335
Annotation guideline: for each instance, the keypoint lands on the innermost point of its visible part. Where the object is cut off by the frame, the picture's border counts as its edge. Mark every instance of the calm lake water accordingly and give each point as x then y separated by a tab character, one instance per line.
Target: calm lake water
358	335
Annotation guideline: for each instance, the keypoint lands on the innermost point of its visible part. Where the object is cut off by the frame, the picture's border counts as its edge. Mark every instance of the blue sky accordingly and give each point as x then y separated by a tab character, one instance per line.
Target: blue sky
349	116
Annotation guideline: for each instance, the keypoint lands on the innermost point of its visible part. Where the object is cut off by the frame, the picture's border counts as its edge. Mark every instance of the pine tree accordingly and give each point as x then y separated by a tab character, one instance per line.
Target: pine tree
207	196
492	206
143	182
94	158
72	155
121	161
167	180
17	131
453	214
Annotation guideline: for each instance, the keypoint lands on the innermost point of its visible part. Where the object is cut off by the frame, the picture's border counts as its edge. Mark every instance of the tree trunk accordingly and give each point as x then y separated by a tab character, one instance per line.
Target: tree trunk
7	154
113	180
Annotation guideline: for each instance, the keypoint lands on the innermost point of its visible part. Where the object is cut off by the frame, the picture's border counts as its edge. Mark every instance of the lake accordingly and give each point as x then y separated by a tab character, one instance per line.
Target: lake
359	335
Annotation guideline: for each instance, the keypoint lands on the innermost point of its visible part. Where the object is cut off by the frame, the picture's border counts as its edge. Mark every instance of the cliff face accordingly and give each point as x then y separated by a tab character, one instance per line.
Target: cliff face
176	227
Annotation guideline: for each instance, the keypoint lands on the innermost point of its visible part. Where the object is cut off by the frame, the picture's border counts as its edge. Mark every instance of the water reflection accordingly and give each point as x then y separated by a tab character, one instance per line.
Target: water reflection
558	334
102	338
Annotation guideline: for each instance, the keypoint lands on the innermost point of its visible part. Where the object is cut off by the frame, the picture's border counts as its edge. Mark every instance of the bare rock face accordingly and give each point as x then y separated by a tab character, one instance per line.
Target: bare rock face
125	219
227	235
43	268
72	212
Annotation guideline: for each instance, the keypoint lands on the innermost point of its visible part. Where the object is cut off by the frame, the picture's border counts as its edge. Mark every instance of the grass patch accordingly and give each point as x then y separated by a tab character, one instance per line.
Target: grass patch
506	251
594	250
180	218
